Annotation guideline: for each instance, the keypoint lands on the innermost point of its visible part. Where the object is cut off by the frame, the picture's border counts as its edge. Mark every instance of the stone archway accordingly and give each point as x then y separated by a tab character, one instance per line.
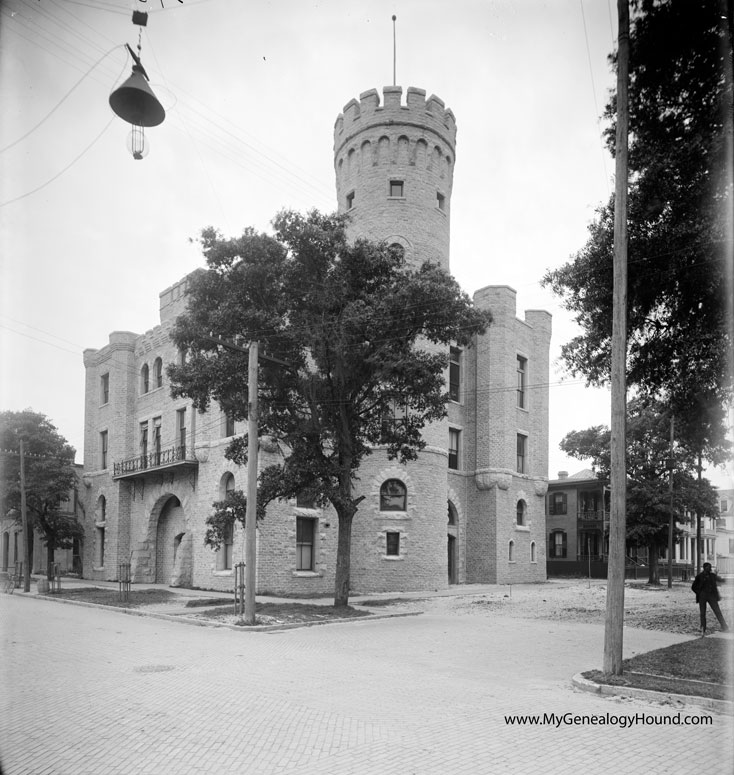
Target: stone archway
171	556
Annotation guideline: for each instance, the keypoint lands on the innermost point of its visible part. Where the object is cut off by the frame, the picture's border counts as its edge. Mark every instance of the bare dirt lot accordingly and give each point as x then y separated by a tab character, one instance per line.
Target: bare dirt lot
651	608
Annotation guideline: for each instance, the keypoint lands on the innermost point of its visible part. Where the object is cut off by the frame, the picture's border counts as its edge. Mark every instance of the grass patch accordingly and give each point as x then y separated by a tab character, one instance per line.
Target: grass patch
385	601
699	668
208	602
111	597
291	613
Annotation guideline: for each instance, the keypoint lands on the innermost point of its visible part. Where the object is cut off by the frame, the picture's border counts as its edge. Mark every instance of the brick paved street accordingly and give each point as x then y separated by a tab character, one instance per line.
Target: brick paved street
95	691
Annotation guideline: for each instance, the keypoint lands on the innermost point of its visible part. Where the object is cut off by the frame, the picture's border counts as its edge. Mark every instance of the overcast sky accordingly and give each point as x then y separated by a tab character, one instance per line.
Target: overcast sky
89	236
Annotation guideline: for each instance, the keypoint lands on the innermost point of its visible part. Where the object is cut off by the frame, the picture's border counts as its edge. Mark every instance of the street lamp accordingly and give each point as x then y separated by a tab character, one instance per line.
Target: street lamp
135	103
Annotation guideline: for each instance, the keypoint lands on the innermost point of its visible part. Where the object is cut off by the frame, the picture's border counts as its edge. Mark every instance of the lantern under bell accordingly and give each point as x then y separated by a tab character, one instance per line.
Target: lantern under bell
135	102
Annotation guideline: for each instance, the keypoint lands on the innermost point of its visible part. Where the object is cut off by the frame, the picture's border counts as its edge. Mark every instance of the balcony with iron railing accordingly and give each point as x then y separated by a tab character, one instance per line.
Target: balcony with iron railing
592	515
171	459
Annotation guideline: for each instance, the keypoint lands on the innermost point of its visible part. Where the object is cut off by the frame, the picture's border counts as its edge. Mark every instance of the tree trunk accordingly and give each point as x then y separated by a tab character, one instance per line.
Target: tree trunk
654	576
343	560
49	560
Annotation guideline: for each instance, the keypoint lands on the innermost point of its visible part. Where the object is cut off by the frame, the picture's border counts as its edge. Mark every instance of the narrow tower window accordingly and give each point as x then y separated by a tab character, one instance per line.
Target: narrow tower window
440	201
521	381
350	200
396	188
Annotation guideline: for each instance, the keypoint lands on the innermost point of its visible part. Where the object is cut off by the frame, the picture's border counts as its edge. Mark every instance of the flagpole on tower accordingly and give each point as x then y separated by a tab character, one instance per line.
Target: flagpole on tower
394	55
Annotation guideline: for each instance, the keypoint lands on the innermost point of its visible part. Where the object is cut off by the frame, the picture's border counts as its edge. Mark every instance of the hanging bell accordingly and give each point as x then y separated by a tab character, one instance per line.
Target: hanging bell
135	102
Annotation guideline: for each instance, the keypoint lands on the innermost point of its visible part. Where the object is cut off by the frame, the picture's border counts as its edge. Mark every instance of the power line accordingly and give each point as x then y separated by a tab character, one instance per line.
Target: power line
58	104
61	172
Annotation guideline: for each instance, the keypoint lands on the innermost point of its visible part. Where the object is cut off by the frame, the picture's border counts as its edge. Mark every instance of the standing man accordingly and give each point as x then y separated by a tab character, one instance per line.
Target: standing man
705	587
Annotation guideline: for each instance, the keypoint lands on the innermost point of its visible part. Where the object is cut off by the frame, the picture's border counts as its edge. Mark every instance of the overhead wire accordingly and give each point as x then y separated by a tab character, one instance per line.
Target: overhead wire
62	171
59	103
593	91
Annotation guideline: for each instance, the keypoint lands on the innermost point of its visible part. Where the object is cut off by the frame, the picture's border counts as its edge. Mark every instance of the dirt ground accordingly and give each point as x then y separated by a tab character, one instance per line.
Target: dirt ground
652	608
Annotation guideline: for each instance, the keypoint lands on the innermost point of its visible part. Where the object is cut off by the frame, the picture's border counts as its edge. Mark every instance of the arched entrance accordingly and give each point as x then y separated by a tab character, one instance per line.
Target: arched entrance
169	535
453	543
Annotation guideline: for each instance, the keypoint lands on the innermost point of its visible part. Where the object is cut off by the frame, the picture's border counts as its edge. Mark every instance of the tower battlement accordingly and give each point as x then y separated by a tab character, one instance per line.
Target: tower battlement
427	114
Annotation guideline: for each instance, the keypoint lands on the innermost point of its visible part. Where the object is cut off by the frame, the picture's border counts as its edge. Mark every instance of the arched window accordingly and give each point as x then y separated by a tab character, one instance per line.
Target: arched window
144	379
532	552
393	496
100	527
226	551
398	249
521	509
452	513
511	551
158	373
226	485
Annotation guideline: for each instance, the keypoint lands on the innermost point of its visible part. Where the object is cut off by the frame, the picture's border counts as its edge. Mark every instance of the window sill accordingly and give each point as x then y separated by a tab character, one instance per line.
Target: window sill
522	528
393	515
227	572
307	574
392	558
98	569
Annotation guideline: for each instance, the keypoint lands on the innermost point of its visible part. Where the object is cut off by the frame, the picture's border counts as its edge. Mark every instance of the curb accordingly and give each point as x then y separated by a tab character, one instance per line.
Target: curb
666	698
183	619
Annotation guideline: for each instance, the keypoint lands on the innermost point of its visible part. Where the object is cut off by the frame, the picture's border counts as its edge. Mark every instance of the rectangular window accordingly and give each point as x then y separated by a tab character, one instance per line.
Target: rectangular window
181	427
156	441
392	548
144	444
304	543
455	374
454	441
522	443
228	425
396	188
350	200
558	544
105	388
557	503
440	201
521	381
103	439
227	547
99	548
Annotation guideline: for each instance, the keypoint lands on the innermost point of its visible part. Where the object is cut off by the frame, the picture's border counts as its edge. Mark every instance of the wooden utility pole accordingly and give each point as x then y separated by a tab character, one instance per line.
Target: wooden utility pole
671	516
614	621
24	520
251	515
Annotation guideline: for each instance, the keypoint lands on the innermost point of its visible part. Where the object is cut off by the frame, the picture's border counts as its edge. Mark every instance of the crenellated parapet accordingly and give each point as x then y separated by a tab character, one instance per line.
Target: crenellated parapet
394	163
430	115
420	133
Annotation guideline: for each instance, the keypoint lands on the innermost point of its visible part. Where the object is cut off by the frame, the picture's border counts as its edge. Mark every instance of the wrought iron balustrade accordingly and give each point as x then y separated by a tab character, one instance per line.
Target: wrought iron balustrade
592	515
152	461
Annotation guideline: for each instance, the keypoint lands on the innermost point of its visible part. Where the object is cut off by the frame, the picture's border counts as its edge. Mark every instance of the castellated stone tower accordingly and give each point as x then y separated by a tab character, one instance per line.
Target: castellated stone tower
394	168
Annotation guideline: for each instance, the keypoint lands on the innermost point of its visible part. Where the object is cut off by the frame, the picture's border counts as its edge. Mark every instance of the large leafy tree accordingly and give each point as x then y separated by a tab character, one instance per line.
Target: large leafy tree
648	472
680	211
360	333
50	478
